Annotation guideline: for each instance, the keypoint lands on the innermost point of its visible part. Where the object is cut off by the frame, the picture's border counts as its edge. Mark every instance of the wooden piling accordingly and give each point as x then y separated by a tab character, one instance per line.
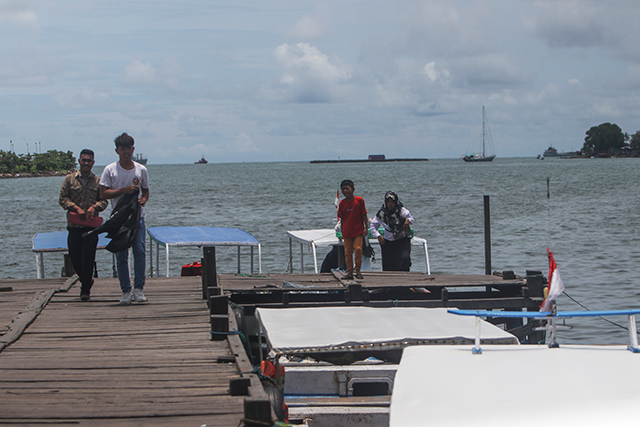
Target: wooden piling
209	270
487	236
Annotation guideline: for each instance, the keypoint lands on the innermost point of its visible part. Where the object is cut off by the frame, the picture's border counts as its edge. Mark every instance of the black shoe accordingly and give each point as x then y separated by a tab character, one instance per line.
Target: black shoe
84	297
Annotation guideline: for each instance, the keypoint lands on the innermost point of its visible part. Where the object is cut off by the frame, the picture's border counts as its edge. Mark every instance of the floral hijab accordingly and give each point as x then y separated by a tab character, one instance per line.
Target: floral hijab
392	217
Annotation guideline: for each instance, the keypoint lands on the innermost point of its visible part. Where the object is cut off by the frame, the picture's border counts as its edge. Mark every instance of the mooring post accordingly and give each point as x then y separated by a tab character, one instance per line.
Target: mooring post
487	236
219	316
209	270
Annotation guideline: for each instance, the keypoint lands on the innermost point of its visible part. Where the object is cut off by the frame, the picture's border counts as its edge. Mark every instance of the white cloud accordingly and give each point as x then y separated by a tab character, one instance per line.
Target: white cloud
20	12
243	143
81	98
312	26
310	73
139	74
434	74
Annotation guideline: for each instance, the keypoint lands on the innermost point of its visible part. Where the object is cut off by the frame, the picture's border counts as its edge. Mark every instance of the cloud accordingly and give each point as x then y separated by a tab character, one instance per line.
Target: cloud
588	24
144	74
312	26
490	70
433	74
81	98
243	143
29	70
139	74
19	12
308	74
446	29
194	126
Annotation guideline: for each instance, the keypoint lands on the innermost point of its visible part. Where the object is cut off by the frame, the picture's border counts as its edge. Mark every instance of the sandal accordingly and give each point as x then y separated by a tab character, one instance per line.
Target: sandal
359	276
348	277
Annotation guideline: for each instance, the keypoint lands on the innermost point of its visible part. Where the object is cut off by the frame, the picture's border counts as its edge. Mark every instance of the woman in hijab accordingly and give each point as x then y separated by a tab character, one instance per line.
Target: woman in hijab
396	243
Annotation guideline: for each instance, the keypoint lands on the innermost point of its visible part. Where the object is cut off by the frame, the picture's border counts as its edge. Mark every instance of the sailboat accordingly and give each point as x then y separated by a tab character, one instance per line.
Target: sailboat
480	157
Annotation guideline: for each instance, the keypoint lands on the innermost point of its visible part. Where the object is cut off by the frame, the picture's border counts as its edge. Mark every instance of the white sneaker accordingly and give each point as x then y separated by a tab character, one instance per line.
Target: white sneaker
138	296
126	298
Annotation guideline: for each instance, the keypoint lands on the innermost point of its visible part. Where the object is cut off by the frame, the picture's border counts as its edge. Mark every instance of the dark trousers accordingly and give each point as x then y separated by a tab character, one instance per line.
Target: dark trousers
396	255
82	252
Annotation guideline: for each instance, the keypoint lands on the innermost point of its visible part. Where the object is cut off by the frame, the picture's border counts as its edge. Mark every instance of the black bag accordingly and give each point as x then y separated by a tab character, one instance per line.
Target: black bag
367	250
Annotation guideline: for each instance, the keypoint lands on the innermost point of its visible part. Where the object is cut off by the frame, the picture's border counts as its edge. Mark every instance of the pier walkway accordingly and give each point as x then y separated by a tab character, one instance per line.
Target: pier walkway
66	362
99	363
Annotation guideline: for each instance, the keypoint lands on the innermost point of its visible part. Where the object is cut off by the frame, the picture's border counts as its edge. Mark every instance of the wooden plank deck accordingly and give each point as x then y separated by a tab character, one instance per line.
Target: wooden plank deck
382	289
99	363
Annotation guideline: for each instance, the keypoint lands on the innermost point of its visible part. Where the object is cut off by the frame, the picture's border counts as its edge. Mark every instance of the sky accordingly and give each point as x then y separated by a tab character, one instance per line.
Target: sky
253	81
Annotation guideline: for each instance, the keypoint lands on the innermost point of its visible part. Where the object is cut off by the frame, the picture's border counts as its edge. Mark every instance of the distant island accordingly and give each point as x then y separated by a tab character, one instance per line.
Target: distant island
51	163
371	158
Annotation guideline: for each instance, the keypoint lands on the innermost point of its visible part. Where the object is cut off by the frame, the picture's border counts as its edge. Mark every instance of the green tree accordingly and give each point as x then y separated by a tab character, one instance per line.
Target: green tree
603	138
51	161
635	141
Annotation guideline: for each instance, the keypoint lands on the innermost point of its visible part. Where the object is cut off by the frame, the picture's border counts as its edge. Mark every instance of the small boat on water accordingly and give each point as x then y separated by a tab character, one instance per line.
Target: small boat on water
477	157
140	158
553	152
202	161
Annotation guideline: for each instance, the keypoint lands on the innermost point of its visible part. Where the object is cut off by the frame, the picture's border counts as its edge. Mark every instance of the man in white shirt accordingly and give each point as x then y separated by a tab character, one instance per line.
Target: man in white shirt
125	177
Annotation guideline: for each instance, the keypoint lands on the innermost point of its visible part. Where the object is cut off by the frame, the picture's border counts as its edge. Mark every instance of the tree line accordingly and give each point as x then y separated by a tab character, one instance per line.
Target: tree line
608	139
51	161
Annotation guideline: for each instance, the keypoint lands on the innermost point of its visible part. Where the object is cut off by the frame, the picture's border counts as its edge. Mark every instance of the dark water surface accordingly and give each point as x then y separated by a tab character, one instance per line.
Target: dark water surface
593	230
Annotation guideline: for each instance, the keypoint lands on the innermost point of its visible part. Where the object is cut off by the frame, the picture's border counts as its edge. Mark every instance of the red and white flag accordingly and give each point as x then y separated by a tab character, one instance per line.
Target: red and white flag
556	286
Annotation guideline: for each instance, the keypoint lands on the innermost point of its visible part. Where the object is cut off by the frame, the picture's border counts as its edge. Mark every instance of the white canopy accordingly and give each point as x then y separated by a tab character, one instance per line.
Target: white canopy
525	385
327	237
336	328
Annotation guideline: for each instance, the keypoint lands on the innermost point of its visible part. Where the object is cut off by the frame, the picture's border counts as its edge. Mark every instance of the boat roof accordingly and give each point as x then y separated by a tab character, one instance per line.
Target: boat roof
320	329
573	385
201	236
327	237
324	237
56	241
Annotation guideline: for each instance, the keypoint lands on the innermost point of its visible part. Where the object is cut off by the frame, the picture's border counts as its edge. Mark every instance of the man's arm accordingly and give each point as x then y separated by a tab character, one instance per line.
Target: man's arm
63	198
145	196
108	193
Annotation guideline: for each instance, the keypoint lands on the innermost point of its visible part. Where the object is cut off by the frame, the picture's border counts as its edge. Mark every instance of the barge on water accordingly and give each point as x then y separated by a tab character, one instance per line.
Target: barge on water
372	158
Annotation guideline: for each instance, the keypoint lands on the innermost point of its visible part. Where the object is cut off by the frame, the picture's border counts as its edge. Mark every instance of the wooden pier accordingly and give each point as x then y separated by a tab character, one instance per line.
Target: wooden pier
172	361
99	363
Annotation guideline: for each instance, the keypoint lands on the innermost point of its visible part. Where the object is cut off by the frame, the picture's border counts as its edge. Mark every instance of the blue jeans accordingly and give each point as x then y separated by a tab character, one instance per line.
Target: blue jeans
139	262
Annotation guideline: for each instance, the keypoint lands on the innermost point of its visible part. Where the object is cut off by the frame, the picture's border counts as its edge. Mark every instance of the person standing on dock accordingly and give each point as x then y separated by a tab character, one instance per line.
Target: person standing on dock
126	177
80	197
396	242
354	225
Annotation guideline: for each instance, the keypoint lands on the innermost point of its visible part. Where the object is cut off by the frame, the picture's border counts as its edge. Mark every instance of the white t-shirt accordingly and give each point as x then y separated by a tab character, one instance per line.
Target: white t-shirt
115	177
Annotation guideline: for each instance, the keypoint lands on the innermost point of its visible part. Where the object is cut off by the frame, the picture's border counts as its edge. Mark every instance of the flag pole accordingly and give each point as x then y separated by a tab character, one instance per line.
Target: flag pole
549	212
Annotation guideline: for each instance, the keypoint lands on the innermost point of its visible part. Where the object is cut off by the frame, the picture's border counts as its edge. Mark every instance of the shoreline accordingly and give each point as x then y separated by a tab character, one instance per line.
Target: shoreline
33	174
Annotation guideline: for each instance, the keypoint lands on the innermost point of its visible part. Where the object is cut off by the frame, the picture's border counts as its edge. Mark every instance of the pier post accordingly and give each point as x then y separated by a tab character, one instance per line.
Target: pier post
487	236
257	412
535	289
209	270
219	315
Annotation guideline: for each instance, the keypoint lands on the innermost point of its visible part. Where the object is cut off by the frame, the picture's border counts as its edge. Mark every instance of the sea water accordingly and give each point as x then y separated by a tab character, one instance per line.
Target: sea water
589	219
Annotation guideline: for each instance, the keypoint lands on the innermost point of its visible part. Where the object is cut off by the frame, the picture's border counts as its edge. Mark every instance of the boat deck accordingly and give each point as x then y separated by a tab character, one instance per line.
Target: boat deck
99	363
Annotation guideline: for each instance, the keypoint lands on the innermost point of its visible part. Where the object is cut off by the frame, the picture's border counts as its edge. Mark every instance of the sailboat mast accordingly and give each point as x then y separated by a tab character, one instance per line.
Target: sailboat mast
483	131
